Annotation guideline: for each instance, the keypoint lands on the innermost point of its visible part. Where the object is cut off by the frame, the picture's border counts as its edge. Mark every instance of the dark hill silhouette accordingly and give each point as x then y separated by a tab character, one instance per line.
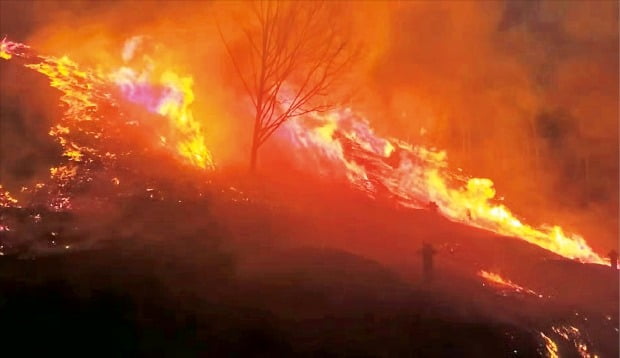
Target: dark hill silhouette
314	272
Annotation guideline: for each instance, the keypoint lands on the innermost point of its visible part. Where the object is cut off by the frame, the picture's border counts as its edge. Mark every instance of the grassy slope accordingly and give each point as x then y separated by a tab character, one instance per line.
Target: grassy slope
299	274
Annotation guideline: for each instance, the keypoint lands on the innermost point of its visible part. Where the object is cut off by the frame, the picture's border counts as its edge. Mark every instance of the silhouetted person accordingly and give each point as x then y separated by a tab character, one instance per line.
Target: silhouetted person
427	253
613	259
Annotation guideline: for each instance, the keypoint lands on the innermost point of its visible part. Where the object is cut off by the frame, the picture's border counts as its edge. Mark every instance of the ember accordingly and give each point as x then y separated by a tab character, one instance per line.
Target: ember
6	200
550	346
573	335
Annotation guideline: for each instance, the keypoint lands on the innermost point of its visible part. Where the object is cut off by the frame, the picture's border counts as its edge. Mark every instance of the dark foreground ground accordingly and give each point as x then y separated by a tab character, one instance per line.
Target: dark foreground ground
166	300
155	300
290	273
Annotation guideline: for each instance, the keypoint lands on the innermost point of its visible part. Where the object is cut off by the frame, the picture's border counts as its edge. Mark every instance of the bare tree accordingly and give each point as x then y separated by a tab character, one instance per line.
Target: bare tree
290	55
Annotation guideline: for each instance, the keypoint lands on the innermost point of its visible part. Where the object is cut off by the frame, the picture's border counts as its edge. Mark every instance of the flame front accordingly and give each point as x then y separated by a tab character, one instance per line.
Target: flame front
415	176
170	96
340	142
6	200
496	279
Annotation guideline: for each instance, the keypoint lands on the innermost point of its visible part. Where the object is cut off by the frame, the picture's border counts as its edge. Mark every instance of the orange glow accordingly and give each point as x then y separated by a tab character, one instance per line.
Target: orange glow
414	176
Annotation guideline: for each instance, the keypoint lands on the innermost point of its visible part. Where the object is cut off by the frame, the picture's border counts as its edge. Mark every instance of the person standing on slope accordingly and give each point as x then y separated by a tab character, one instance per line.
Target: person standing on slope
427	252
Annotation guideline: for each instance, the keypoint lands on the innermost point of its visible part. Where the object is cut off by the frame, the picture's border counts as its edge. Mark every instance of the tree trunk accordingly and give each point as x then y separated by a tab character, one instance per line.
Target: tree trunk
255	144
253	156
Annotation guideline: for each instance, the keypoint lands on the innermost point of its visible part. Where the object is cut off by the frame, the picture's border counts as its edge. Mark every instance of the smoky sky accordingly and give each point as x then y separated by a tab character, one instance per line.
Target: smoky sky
522	92
525	93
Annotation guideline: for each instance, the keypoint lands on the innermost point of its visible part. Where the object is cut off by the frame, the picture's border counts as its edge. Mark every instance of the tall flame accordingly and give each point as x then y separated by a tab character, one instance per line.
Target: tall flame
168	95
415	176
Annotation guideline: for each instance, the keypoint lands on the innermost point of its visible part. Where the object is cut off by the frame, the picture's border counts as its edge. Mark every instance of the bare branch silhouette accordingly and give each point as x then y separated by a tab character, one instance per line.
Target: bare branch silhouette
293	53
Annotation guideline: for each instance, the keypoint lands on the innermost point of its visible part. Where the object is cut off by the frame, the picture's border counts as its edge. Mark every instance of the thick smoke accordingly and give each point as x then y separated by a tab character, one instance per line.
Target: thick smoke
525	93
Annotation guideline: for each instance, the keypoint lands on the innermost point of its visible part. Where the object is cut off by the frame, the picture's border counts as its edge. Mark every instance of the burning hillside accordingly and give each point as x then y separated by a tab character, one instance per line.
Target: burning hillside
397	202
415	176
340	142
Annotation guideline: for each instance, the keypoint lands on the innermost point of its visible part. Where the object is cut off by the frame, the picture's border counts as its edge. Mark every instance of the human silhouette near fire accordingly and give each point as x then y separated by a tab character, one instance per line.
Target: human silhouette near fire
428	253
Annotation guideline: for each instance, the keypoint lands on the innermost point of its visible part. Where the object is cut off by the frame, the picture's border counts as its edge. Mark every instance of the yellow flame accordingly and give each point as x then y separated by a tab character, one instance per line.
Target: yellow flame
77	87
5	49
423	176
176	107
472	205
551	346
193	148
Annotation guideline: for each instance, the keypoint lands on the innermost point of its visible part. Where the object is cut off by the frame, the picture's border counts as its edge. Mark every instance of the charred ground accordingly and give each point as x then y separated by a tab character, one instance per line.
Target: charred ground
255	275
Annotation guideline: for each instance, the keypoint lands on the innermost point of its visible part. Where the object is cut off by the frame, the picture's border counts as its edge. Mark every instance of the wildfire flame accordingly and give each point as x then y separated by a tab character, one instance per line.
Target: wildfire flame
343	143
550	346
496	279
572	334
170	96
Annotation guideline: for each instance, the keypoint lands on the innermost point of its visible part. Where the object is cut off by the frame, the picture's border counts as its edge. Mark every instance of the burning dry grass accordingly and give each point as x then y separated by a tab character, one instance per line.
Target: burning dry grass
504	284
109	147
341	141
